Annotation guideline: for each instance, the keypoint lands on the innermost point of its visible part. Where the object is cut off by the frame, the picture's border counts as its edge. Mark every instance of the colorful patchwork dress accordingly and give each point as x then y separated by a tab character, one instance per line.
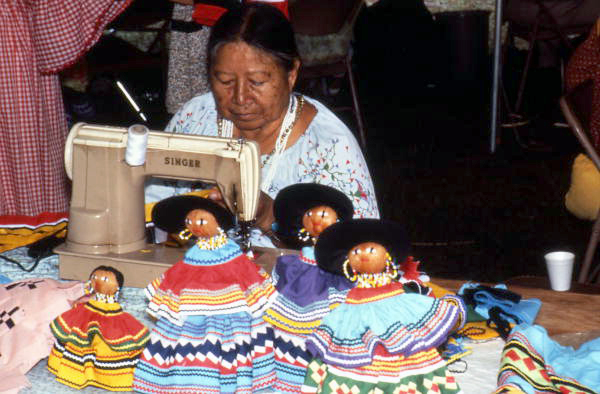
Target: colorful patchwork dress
210	336
305	293
383	340
97	344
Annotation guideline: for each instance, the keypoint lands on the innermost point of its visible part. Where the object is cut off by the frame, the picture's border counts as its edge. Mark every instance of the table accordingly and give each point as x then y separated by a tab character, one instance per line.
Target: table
562	313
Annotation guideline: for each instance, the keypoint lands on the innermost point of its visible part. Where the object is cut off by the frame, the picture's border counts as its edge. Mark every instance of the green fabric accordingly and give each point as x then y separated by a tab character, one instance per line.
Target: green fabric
320	379
472	315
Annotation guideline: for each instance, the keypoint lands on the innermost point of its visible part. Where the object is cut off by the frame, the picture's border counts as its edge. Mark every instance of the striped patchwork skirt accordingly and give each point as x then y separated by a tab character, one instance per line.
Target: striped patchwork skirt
424	372
97	344
207	354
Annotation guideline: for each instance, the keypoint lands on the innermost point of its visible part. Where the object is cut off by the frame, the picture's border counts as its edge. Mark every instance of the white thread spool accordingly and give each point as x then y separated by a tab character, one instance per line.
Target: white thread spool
137	142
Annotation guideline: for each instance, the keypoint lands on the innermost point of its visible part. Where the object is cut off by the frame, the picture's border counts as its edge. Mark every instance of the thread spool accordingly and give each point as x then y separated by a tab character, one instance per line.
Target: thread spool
137	143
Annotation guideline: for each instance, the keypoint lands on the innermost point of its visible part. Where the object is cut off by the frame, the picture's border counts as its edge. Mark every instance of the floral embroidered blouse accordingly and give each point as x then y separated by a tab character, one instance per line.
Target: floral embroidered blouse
327	153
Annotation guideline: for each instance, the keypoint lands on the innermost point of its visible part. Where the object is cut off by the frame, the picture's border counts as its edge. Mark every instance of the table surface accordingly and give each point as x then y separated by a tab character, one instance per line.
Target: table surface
561	312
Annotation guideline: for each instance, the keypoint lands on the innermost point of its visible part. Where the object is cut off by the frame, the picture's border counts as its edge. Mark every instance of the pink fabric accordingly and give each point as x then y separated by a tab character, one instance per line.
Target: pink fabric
26	310
39	38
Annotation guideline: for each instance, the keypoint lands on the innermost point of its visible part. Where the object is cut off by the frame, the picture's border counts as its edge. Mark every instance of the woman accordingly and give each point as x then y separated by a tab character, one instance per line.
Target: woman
568	15
253	64
583	66
582	198
187	56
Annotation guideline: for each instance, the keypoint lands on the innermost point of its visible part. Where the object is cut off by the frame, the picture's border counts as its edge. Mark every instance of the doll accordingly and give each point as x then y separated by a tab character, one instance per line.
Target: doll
210	336
96	342
304	292
381	339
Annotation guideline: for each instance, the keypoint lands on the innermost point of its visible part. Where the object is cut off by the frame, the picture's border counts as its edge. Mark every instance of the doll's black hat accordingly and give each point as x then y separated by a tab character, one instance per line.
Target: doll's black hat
293	201
336	241
169	214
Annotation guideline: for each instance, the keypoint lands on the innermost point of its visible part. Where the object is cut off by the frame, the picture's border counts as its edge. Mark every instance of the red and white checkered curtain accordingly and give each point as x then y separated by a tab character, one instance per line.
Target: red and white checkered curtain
38	38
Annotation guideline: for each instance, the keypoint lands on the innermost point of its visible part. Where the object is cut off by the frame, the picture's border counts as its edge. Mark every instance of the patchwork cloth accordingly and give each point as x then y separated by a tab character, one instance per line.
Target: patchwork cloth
97	344
304	295
26	309
384	340
535	364
210	336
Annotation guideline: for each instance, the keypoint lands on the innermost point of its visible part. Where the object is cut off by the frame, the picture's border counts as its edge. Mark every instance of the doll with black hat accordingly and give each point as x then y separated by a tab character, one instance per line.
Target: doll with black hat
97	343
382	338
210	335
304	292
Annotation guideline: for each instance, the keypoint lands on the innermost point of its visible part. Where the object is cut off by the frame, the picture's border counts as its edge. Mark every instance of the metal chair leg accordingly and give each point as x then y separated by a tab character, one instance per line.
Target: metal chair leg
589	253
532	42
356	105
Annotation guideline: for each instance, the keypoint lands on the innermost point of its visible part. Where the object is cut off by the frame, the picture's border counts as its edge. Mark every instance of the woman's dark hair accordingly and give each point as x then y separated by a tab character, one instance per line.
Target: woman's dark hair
118	274
259	25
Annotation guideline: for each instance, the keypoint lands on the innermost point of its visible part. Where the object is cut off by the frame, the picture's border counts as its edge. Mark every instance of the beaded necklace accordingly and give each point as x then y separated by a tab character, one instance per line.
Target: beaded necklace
370	280
109	299
214	242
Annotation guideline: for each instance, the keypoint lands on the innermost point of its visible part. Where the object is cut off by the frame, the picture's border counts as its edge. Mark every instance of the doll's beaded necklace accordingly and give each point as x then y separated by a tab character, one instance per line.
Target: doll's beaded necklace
370	280
109	299
225	129
212	243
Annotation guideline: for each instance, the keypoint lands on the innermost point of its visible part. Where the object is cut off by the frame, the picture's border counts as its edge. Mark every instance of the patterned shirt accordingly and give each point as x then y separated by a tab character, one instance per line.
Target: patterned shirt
327	153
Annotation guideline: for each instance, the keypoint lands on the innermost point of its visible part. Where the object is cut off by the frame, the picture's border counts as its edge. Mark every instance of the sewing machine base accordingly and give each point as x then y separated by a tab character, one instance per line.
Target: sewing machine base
142	266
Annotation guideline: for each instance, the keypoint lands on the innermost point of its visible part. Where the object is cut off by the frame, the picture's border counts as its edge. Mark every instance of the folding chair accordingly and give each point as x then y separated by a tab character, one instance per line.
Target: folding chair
576	106
545	29
324	31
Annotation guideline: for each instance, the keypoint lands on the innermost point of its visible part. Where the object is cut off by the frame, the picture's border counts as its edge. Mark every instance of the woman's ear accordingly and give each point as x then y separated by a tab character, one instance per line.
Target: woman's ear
293	73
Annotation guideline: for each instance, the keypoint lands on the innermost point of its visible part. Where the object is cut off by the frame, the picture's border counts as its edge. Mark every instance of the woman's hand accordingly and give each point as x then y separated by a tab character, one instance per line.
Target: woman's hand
264	213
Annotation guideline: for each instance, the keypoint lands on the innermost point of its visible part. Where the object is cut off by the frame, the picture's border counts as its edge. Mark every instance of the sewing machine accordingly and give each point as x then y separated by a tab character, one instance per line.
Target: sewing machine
107	218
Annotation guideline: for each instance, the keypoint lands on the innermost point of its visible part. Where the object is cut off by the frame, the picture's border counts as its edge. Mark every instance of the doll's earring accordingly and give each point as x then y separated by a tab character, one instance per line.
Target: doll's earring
185	234
390	267
88	288
354	276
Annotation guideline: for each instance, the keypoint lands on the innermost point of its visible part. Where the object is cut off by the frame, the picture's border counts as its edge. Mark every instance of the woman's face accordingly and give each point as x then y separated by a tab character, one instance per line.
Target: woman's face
317	219
202	223
251	89
104	282
368	257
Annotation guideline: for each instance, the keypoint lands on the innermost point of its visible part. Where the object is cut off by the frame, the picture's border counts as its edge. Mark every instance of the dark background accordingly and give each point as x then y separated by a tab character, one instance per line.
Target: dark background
470	214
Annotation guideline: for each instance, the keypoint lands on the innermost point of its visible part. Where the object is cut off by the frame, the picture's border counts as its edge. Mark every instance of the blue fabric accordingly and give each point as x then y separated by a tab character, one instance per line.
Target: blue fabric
582	365
523	311
526	310
404	324
224	254
4	279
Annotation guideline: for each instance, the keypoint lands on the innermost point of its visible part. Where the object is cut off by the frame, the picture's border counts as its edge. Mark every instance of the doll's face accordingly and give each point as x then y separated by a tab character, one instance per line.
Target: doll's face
202	223
368	258
317	219
104	282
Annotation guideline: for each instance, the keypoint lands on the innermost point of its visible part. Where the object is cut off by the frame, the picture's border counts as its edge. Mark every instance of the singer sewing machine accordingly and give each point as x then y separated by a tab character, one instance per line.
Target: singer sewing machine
107	218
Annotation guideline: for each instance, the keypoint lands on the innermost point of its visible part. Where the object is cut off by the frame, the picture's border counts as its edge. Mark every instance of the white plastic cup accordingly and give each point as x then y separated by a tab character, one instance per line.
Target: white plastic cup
560	269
